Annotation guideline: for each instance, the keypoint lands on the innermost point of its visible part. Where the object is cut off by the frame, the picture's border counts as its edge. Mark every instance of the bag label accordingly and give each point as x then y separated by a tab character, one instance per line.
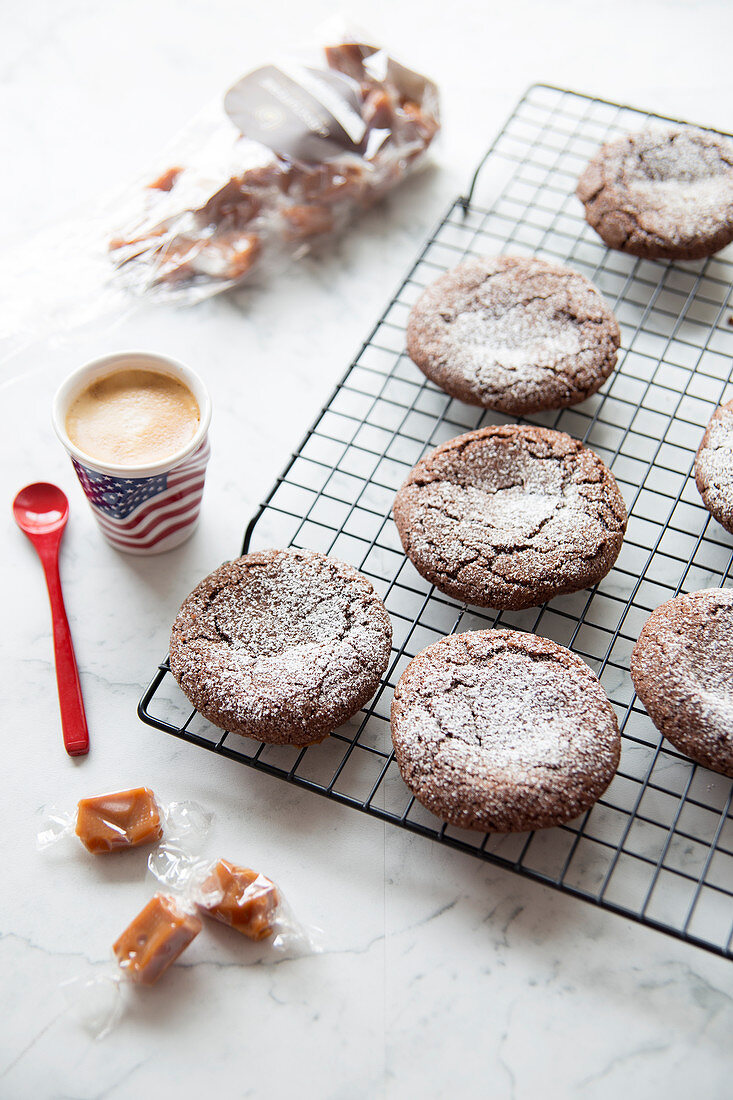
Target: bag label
300	113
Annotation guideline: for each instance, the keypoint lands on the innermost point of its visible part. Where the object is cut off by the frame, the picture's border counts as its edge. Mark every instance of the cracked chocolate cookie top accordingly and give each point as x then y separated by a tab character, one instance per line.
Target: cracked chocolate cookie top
503	731
510	516
664	194
714	466
682	668
516	335
281	645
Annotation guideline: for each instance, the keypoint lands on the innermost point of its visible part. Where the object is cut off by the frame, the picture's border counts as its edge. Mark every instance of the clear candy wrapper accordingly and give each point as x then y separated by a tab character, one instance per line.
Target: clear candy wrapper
245	900
97	1004
128	819
152	942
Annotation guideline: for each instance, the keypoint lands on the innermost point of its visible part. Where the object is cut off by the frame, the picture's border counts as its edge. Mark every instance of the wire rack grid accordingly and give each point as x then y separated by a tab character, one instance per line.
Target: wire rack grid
658	846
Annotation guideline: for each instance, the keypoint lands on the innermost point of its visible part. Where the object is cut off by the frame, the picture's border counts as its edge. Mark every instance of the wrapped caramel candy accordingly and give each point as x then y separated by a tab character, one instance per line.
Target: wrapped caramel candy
155	939
237	896
125	819
241	898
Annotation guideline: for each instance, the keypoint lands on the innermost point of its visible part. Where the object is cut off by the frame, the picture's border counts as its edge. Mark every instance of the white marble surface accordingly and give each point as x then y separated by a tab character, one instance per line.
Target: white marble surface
440	975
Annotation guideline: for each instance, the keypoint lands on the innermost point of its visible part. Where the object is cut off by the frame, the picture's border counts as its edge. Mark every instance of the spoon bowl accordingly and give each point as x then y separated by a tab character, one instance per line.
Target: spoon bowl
41	508
41	511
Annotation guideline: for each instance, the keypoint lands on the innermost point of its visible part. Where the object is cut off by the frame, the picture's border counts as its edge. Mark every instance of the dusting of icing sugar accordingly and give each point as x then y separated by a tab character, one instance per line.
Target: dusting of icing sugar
715	459
511	496
680	182
682	669
516	712
674	156
515	512
501	730
691	208
507	517
510	516
701	656
513	334
280	640
525	338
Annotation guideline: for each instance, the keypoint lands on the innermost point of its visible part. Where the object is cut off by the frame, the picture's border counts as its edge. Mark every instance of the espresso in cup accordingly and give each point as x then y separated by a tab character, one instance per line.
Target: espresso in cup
132	417
135	425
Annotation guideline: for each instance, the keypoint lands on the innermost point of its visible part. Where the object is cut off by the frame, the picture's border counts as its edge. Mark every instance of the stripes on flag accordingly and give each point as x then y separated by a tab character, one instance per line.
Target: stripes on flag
172	506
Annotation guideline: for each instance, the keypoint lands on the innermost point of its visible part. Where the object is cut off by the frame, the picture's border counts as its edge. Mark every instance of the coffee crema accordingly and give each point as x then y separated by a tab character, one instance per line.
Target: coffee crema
133	417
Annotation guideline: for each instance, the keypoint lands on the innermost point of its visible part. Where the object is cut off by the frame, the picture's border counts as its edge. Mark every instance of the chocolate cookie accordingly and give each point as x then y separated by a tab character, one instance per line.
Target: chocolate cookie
515	335
662	194
503	731
682	668
714	466
281	645
511	516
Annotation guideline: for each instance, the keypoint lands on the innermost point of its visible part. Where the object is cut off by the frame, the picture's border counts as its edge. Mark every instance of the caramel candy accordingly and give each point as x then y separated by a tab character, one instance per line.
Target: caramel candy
167	180
348	58
330	183
249	899
155	939
227	255
307	221
234	203
378	110
238	252
124	819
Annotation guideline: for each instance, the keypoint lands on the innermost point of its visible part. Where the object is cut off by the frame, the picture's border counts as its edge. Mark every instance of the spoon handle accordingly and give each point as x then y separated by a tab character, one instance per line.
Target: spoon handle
73	718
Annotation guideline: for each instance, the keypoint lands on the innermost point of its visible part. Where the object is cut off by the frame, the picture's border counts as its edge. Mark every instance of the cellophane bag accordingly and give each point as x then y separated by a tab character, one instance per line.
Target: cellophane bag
289	154
286	157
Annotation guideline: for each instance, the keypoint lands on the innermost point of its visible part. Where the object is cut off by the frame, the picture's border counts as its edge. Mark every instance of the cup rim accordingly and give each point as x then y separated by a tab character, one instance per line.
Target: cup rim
97	368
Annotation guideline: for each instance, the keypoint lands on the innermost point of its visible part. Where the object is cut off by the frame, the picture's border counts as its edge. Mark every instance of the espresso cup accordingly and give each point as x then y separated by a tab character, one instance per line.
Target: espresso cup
140	509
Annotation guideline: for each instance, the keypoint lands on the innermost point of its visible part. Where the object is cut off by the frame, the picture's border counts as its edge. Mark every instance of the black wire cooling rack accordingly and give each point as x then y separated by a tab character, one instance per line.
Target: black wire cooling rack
658	847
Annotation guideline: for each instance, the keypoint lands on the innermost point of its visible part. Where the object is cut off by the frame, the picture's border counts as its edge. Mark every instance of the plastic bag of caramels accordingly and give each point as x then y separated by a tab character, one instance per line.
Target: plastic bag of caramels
287	155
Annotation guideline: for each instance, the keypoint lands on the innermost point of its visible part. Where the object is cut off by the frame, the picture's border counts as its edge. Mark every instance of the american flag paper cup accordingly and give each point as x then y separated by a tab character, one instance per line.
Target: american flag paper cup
141	510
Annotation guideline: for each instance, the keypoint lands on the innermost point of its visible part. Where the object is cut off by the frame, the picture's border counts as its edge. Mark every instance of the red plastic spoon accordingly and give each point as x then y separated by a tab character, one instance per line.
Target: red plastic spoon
41	511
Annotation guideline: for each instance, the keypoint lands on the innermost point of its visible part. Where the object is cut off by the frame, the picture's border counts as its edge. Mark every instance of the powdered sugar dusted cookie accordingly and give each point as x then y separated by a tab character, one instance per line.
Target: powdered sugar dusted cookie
512	334
714	466
281	645
503	731
682	668
662	193
510	516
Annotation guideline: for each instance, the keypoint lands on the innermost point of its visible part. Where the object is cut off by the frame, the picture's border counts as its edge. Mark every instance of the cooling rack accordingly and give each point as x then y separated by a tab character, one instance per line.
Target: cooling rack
658	847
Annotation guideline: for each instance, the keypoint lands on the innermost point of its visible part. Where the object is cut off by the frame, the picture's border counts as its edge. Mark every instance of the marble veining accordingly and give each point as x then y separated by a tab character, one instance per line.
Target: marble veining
439	975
